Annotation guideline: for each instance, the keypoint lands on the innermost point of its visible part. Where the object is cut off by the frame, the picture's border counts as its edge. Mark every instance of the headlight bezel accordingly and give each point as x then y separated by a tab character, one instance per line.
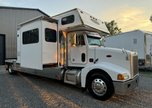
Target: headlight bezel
123	76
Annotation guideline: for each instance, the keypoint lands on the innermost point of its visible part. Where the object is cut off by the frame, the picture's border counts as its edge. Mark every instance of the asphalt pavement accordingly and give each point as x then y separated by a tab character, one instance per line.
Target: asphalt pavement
28	91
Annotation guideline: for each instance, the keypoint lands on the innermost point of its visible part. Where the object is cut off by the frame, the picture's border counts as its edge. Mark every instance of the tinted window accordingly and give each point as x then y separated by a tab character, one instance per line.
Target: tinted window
50	35
80	39
31	36
67	20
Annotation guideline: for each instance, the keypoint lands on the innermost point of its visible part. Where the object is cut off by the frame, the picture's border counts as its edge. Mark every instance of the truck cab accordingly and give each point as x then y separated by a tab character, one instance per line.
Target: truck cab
101	68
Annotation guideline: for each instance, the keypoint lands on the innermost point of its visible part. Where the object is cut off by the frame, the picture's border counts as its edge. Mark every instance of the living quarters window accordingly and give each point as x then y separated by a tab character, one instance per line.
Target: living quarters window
50	35
31	36
67	20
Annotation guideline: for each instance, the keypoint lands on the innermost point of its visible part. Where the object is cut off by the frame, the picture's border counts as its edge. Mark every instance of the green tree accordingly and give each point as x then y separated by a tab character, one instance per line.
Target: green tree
113	27
151	18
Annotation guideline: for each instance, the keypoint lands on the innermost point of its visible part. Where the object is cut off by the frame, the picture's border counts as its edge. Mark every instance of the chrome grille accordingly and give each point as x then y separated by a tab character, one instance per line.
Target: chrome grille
148	60
135	64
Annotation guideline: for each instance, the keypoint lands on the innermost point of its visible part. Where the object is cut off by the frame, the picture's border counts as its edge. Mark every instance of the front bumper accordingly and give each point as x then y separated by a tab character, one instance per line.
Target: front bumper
123	87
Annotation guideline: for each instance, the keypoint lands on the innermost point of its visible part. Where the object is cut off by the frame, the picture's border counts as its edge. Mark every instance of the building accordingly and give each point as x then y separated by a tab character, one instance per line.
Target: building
10	17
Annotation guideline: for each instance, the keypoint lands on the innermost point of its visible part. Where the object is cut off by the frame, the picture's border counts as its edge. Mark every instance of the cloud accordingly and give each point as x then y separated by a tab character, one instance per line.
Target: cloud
130	19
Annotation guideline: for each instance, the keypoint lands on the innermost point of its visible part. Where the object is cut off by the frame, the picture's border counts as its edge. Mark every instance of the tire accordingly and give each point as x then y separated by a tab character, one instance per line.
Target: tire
10	70
100	87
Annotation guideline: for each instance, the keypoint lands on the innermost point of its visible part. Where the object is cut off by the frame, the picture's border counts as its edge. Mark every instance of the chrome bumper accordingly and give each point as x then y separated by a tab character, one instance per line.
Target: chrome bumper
127	86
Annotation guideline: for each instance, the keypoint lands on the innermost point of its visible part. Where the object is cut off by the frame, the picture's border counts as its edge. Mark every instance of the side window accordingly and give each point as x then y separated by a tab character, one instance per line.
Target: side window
80	39
135	41
76	39
67	20
31	36
50	35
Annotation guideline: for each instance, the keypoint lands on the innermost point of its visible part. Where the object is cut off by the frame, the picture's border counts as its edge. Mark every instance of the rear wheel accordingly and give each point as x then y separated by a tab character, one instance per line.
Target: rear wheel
100	87
10	69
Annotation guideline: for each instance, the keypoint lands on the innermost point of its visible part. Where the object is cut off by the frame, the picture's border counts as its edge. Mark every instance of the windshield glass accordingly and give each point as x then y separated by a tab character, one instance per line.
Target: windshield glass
94	40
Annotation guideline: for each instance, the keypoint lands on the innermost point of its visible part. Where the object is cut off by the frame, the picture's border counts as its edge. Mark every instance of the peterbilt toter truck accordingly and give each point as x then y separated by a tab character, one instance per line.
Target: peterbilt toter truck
68	47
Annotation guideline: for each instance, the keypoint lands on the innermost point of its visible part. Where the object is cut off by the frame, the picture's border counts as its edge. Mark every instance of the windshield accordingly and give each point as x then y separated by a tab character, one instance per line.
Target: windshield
94	40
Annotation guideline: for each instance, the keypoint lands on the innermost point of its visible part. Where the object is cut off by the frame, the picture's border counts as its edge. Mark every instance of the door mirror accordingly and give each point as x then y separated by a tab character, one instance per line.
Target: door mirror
102	41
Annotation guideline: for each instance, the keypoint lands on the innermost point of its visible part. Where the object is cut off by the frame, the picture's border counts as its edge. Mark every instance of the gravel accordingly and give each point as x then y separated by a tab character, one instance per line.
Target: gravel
27	91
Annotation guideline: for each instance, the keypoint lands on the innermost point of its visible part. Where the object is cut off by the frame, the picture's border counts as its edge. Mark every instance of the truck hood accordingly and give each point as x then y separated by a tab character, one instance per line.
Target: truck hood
115	56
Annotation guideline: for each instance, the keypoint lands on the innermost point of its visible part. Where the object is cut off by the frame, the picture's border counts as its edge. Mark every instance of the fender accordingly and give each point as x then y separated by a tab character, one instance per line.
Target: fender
111	69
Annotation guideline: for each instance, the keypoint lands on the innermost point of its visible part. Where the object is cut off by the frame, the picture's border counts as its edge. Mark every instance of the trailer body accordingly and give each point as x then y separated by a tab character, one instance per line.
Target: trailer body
137	41
71	51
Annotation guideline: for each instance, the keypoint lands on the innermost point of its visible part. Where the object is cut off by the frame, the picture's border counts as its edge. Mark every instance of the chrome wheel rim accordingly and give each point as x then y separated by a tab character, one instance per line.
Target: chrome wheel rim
99	87
9	70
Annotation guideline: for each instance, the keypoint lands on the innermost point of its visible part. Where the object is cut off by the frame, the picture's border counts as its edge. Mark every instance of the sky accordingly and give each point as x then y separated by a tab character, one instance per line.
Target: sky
129	14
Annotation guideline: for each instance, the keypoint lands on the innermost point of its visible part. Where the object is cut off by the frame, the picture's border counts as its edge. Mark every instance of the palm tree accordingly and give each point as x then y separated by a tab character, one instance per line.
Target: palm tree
113	27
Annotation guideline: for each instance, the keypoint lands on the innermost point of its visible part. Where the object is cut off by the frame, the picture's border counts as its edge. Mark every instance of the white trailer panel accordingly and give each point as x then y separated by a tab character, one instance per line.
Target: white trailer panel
68	19
76	18
31	54
137	41
133	41
37	43
93	22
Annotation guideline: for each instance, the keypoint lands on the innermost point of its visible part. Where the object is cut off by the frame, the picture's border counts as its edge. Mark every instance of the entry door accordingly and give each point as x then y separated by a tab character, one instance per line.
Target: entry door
2	49
77	49
31	46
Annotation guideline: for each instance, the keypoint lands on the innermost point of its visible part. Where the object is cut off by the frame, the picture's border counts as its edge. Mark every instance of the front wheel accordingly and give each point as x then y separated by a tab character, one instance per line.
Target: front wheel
100	87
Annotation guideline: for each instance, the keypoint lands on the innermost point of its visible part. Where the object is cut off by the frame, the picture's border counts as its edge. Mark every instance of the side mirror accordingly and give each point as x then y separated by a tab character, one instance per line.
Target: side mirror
102	41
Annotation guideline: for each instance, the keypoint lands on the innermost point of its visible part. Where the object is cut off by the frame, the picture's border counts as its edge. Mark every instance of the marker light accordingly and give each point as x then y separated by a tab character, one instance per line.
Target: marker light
124	76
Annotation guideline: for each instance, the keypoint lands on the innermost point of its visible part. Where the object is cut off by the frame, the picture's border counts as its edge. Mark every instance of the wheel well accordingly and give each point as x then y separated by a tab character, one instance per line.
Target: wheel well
97	71
7	65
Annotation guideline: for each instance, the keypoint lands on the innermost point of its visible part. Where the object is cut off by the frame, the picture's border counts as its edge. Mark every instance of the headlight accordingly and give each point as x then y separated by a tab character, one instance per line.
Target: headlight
123	76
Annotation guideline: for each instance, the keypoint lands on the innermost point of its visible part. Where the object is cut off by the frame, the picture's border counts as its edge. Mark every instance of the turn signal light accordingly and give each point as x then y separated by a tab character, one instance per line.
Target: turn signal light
120	77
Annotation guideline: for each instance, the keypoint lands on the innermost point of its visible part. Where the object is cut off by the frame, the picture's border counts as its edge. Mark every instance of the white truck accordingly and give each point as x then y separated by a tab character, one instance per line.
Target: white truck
68	47
137	41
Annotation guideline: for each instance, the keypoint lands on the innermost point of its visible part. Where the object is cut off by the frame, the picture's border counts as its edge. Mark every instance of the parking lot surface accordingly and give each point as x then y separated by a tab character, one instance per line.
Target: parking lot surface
28	91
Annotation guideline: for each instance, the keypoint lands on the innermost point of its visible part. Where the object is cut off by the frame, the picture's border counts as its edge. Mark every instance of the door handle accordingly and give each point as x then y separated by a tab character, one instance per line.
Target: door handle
83	58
